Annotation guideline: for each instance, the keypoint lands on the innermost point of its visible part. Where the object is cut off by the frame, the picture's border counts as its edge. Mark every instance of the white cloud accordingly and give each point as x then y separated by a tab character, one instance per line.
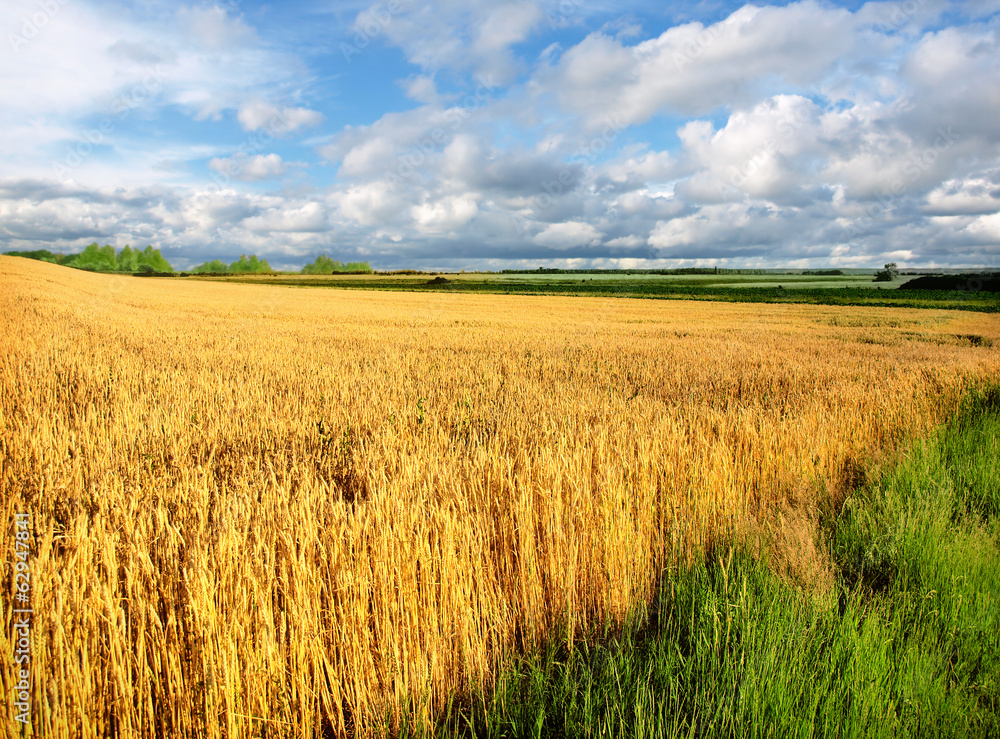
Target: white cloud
735	225
422	89
249	168
638	169
460	35
627	241
646	204
256	115
695	69
369	204
767	152
568	235
443	215
396	143
971	196
209	214
214	28
954	81
871	154
986	228
308	217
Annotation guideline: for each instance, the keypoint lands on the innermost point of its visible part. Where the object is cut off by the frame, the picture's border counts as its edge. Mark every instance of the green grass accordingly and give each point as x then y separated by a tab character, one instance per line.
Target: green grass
907	644
747	288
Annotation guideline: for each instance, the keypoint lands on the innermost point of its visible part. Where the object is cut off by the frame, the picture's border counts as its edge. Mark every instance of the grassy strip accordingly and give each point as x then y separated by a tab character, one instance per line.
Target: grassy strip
984	302
908	646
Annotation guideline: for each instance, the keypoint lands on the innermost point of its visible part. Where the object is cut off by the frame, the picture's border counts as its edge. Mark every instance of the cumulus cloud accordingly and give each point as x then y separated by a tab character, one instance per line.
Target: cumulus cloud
971	196
310	217
568	235
768	152
952	76
986	229
256	115
694	69
461	35
214	28
422	89
444	214
249	168
637	170
370	204
395	143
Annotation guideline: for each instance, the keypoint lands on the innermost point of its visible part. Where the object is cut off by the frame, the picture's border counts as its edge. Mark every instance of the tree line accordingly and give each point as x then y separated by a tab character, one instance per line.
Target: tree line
96	258
105	258
322	265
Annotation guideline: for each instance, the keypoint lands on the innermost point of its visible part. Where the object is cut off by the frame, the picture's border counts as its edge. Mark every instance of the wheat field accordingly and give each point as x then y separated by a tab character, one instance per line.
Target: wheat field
273	511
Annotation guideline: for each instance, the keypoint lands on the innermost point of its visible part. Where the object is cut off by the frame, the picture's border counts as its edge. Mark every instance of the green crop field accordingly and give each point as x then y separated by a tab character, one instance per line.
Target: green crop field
845	290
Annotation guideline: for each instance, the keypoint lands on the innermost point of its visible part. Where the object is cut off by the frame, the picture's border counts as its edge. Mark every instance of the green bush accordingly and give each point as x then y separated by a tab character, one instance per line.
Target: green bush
216	266
887	273
249	265
323	265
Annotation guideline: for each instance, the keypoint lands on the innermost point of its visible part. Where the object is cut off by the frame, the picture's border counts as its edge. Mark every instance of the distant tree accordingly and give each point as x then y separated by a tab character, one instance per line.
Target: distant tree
216	265
150	257
128	260
358	267
887	273
96	259
249	265
323	265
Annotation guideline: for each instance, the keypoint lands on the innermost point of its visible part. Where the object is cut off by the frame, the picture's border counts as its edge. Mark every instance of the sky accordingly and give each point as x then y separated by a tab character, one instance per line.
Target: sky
493	134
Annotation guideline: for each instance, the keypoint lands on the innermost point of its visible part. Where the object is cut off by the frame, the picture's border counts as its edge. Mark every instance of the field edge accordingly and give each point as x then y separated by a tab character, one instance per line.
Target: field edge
905	641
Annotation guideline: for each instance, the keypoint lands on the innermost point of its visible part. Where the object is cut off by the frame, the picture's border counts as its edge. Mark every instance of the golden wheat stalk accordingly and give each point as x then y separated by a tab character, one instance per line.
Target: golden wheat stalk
321	511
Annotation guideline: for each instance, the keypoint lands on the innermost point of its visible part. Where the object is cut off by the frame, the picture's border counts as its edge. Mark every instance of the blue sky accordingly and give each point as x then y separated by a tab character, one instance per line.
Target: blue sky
475	134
